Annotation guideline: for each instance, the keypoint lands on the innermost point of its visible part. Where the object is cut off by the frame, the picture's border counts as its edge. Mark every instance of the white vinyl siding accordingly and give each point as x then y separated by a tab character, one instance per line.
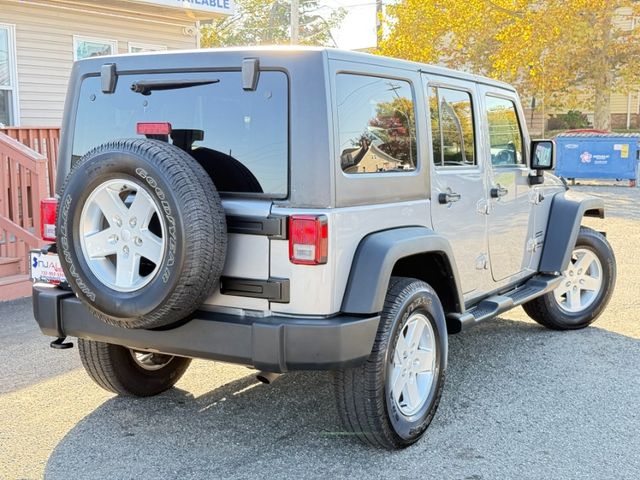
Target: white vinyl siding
624	19
45	46
620	101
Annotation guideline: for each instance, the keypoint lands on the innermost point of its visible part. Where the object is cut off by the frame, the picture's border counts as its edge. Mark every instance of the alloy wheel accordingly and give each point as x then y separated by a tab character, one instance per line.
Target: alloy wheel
122	235
412	369
581	282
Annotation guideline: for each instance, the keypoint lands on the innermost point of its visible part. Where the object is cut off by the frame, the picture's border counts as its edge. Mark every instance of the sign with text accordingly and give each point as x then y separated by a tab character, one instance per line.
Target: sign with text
224	7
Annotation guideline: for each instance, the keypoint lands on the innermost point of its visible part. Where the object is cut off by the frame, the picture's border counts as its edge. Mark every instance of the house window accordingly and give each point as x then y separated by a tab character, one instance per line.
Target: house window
145	47
85	47
8	77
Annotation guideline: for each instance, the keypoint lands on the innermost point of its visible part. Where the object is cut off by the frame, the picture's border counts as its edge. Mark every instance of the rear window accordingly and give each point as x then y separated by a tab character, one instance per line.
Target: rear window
240	137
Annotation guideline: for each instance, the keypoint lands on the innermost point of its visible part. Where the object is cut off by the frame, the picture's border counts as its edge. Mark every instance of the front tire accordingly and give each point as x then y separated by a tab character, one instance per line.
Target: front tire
390	400
129	372
586	286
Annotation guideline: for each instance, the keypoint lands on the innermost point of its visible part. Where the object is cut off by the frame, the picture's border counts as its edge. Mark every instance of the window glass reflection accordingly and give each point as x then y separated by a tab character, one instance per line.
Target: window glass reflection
376	122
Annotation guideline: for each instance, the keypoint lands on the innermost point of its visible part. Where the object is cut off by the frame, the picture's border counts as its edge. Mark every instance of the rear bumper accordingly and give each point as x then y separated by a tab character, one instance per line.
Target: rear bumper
275	344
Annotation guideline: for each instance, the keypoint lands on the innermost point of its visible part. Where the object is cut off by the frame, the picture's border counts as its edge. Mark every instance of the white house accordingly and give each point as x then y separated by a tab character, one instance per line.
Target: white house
40	39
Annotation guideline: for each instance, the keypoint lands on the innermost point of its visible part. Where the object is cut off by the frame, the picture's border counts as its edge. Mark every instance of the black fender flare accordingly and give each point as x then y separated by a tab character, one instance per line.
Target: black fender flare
375	258
567	210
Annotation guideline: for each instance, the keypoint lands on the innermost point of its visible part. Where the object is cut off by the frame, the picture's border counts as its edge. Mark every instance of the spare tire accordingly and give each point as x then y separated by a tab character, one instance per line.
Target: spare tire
141	233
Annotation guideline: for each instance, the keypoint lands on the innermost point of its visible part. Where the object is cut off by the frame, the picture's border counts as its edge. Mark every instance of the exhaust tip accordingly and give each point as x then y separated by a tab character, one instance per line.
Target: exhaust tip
267	377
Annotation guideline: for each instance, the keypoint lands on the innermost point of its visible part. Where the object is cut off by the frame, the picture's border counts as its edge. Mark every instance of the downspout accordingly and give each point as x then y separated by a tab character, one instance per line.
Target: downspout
628	110
198	35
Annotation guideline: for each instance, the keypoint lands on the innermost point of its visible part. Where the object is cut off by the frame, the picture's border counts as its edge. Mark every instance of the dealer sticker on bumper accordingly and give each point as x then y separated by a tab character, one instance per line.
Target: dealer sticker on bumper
45	268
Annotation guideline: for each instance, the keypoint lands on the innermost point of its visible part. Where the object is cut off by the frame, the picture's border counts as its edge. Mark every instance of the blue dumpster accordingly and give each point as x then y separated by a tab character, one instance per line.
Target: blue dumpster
598	155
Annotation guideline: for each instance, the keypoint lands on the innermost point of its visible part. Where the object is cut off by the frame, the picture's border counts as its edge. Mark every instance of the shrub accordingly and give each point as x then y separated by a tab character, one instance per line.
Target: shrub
568	121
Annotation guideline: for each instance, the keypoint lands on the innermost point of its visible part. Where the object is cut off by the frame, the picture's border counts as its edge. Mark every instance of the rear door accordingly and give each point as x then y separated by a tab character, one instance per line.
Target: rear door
508	190
458	203
240	137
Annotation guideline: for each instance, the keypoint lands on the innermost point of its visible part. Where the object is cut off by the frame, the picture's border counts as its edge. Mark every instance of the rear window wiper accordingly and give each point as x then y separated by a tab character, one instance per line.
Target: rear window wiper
145	87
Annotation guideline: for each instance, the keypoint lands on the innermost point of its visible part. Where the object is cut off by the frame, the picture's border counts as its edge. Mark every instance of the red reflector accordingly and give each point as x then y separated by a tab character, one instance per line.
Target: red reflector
308	239
48	207
153	128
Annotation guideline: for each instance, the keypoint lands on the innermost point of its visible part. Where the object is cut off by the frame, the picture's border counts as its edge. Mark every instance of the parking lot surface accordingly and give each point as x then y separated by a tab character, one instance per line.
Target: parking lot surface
520	402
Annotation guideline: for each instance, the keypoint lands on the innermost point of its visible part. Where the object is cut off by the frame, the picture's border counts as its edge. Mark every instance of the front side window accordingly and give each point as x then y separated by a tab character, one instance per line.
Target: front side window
84	47
452	130
504	132
8	81
376	124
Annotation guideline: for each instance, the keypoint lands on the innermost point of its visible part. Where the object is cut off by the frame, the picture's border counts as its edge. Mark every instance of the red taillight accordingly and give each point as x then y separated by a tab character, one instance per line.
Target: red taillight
153	128
48	208
308	239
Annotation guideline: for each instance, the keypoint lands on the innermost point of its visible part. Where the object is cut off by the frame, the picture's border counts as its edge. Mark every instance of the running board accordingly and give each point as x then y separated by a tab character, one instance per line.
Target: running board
497	304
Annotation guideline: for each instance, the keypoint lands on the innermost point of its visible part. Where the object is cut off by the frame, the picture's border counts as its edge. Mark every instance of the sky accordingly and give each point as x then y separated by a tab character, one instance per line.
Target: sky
358	29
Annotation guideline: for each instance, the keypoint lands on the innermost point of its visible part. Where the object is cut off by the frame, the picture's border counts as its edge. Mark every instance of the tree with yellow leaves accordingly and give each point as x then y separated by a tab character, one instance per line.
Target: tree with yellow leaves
557	50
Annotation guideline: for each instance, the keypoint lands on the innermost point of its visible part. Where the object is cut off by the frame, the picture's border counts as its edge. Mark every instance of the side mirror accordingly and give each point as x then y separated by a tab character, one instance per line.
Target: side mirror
542	154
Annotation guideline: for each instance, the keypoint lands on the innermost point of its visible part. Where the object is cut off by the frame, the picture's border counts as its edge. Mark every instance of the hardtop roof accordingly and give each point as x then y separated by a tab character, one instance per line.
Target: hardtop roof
364	57
331	53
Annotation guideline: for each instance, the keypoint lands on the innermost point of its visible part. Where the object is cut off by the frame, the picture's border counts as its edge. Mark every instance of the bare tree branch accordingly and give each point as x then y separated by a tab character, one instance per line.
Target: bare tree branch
511	13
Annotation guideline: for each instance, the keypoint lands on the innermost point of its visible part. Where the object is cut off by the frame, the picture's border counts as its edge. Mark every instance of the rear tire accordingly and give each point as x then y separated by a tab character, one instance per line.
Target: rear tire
124	371
390	400
571	306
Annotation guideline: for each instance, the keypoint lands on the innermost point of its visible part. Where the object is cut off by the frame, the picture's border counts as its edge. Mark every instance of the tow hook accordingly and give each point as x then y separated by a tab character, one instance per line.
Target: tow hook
60	344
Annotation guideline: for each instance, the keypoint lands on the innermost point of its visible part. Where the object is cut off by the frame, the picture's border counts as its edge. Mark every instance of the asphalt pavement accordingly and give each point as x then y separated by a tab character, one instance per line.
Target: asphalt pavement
520	402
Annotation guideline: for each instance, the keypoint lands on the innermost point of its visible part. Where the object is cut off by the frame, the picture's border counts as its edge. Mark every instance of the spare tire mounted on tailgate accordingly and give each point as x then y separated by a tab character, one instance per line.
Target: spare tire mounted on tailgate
141	233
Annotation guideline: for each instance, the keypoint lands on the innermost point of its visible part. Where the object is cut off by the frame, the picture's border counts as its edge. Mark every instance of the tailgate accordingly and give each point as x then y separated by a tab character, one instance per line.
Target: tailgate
248	250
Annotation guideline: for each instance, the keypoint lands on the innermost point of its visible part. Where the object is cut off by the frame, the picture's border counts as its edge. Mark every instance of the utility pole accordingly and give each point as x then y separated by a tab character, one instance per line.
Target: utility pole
378	22
295	22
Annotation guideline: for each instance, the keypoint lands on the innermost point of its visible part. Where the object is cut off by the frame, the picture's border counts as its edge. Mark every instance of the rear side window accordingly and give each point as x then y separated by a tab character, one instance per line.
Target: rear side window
376	124
240	137
452	128
505	136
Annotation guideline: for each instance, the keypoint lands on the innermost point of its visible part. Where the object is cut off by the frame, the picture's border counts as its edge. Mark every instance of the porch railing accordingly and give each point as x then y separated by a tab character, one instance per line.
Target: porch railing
24	181
43	140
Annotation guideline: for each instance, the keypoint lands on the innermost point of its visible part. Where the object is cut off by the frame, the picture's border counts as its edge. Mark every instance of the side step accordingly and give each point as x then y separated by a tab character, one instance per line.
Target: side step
497	304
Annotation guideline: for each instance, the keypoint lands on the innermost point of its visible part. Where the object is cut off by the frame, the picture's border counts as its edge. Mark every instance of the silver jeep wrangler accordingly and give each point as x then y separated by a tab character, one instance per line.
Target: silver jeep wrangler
304	209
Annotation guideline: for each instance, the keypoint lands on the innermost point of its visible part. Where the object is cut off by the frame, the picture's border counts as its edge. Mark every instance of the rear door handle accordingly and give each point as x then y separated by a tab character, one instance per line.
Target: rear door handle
499	192
448	197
